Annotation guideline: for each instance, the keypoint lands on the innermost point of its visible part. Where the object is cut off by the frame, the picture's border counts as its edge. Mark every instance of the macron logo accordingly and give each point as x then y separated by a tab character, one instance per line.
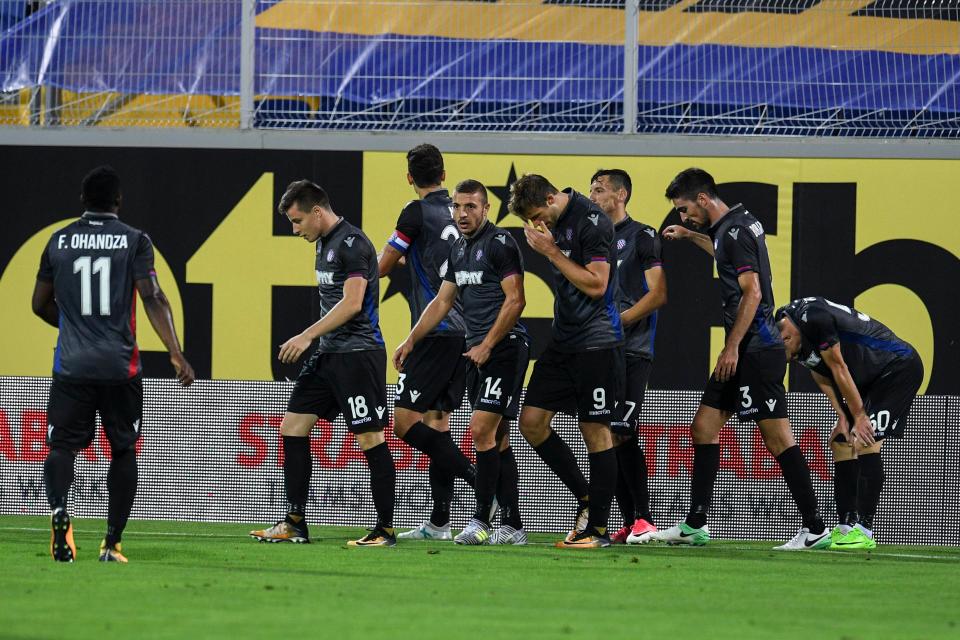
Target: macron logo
502	239
380	411
594	218
734	233
349	241
650	232
136	425
771	404
414	394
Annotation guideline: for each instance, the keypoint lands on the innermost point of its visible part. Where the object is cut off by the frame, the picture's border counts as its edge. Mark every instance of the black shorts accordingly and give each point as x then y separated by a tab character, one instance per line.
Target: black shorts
434	375
72	409
887	401
627	413
353	383
587	385
755	392
496	386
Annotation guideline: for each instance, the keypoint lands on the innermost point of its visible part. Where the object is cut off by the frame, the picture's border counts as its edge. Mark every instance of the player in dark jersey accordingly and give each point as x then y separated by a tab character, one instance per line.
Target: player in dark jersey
85	287
642	290
871	378
346	373
748	377
432	382
582	371
486	275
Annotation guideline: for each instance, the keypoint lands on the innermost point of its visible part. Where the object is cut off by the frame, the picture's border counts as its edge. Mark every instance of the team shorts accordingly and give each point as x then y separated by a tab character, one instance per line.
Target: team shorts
434	375
352	383
887	401
495	387
587	384
72	409
755	392
627	413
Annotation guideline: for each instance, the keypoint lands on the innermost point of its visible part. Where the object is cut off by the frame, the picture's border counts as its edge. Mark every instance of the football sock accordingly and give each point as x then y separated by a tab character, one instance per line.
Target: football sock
297	467
706	464
440	447
558	456
871	484
122	489
508	491
383	481
603	481
845	477
58	476
629	462
488	471
623	496
797	475
441	490
641	499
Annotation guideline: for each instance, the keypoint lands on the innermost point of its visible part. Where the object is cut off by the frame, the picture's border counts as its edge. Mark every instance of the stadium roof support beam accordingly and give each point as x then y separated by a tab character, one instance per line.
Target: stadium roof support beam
631	64
247	57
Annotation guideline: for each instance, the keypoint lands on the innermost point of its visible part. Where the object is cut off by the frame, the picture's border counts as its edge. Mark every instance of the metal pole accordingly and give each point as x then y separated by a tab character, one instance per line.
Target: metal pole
247	37
631	64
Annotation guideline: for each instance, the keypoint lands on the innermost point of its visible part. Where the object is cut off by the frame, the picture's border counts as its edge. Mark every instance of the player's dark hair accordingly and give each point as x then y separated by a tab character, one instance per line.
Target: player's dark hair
100	189
785	311
691	182
425	165
472	186
619	179
305	194
528	192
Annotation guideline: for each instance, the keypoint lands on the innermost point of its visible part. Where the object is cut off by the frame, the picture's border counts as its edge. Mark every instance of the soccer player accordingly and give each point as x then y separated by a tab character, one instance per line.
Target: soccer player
85	287
347	373
486	274
642	290
871	377
582	370
748	377
432	382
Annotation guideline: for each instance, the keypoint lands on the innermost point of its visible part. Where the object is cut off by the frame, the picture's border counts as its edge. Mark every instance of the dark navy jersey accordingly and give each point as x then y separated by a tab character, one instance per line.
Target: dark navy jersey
345	253
94	264
739	246
638	249
477	266
425	233
585	234
868	347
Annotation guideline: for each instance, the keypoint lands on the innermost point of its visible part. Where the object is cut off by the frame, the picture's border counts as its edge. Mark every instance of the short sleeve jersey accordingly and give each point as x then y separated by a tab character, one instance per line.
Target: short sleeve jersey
638	250
424	234
477	266
344	253
94	264
740	246
868	347
585	234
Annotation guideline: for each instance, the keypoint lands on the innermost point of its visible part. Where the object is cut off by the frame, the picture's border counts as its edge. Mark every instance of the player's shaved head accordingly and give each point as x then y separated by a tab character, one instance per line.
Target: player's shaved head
306	195
100	189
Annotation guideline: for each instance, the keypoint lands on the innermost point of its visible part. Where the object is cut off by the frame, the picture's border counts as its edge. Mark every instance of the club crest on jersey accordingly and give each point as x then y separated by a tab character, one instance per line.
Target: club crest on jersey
621	243
479	254
330	255
469	277
594	218
569	235
502	239
734	233
349	241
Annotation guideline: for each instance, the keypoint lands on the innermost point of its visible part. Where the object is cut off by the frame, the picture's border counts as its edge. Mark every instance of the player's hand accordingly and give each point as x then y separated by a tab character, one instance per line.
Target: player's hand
842	428
677	232
540	239
726	364
183	370
401	354
863	431
292	349
478	354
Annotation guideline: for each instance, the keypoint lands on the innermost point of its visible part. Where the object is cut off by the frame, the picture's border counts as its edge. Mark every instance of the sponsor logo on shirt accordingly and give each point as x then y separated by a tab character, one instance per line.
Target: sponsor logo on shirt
324	277
469	277
757	229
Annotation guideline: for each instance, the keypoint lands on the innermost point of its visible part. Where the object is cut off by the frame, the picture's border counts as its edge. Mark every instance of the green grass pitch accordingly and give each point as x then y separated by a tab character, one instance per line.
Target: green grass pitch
190	580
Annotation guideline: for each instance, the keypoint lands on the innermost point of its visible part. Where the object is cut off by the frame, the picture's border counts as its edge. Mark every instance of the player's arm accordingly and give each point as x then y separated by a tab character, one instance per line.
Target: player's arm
349	305
45	304
409	225
158	311
749	301
680	232
388	259
653	299
435	312
826	385
506	320
861	428
590	279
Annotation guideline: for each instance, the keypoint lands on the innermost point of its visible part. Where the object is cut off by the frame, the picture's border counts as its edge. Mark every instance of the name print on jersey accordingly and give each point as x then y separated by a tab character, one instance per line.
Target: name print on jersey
93	241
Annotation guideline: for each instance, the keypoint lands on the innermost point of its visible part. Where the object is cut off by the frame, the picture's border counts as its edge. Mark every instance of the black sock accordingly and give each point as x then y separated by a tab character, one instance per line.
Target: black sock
441	490
706	464
383	481
122	488
623	497
508	490
488	472
58	476
297	468
797	475
603	481
845	477
627	480
641	499
871	484
440	447
558	456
